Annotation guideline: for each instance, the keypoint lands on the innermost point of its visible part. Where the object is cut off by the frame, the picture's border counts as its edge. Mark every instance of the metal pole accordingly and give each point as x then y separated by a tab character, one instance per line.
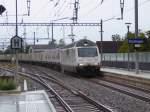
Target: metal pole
136	36
72	35
128	28
16	18
128	48
101	42
52	33
25	33
34	38
16	80
3	47
47	31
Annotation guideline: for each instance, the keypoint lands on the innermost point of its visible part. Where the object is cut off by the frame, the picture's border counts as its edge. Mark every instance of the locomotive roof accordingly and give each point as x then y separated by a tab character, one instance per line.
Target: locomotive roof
81	43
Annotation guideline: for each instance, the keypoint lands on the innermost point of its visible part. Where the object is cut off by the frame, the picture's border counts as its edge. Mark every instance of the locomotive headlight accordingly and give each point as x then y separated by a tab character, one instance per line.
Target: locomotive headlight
97	64
81	64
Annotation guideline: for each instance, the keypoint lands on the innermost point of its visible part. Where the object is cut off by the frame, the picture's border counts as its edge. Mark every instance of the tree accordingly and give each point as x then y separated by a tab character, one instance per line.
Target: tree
9	50
125	46
147	33
1	52
116	37
26	49
52	42
62	43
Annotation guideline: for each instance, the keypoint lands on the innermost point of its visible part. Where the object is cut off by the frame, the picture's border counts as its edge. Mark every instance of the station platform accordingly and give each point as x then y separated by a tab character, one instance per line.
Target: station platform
35	101
132	73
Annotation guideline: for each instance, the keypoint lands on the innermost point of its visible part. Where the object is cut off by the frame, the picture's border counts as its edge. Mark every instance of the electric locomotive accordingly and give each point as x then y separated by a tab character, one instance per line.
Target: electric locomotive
80	56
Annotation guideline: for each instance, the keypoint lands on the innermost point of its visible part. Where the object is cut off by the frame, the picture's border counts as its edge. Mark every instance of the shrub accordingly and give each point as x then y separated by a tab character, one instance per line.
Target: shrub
7	84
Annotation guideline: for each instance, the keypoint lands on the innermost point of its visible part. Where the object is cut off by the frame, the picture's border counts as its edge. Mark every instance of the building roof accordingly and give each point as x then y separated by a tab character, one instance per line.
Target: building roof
110	46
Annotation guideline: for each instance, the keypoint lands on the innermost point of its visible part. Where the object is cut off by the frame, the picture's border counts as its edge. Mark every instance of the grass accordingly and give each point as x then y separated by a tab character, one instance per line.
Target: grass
7	84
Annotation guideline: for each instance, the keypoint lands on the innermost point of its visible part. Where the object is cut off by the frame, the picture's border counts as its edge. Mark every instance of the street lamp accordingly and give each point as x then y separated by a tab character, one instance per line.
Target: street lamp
136	36
122	7
128	28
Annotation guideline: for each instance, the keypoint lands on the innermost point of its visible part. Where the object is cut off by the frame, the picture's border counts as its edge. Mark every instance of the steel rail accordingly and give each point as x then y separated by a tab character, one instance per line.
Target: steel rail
146	99
40	80
97	104
79	93
65	105
127	85
129	93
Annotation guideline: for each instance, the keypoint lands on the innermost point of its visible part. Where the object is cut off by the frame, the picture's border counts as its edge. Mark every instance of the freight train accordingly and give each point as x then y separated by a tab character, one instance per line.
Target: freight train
80	56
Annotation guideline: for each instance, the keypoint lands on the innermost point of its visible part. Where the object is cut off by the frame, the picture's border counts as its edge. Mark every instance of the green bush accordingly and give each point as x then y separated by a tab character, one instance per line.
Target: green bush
7	84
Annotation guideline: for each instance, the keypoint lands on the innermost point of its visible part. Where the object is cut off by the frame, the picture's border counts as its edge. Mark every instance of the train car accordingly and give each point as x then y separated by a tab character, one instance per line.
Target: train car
5	57
51	58
80	56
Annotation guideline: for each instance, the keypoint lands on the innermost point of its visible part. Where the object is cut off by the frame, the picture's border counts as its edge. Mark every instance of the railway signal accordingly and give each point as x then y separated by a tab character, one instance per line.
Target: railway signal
16	42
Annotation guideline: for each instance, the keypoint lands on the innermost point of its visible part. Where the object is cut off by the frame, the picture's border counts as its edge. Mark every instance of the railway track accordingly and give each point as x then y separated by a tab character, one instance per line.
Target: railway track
135	83
122	88
80	102
64	98
130	90
137	93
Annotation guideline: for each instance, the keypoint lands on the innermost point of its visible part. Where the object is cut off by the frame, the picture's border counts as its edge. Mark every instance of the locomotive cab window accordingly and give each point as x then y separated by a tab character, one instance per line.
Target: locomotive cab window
87	52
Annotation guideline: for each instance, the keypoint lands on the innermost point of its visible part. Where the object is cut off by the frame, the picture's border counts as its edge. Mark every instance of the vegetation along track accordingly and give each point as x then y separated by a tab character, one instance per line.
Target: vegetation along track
70	100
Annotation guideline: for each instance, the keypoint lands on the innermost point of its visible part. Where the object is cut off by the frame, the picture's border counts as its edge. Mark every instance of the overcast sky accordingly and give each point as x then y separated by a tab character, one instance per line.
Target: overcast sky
89	11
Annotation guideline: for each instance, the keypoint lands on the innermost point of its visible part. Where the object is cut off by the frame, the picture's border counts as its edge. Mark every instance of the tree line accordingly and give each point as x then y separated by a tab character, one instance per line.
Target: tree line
125	47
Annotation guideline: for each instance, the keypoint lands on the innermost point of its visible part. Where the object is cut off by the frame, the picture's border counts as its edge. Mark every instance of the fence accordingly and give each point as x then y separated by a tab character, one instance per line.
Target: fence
120	60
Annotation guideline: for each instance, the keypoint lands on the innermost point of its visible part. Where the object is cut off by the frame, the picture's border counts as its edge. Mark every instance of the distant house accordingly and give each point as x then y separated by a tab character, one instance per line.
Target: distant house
109	46
42	48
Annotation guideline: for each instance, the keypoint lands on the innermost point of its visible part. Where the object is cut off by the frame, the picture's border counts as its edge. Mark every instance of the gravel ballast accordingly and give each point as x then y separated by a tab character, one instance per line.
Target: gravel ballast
113	99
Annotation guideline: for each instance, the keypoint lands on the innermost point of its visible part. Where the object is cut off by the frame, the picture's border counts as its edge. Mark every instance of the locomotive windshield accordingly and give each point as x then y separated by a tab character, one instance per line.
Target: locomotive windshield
87	52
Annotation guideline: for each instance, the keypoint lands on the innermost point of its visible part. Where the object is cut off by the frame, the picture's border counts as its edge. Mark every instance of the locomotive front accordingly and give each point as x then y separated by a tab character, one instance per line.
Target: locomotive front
88	58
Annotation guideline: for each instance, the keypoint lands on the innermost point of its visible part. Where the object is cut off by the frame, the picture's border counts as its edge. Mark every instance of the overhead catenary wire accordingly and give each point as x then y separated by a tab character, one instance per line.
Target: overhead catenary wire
99	4
113	17
40	9
62	5
5	18
62	9
129	10
56	8
126	11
